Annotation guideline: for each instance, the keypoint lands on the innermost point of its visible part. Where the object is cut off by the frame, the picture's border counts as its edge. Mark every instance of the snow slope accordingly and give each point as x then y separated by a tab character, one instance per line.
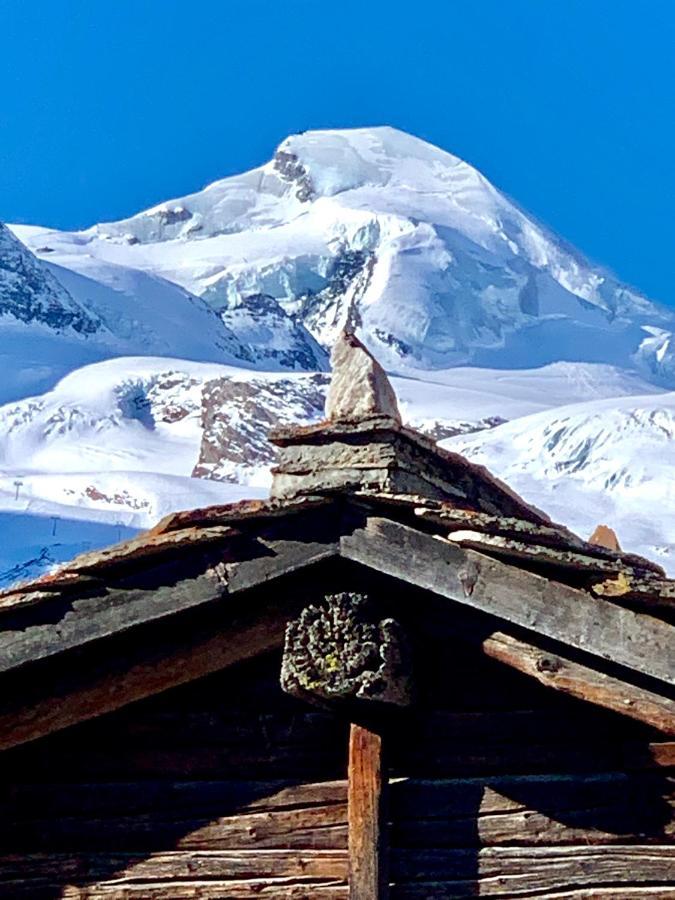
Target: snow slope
142	353
56	318
603	460
115	444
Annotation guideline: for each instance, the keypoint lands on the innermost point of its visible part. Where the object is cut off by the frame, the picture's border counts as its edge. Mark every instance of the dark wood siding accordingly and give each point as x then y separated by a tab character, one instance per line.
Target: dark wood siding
223	788
502	787
227	788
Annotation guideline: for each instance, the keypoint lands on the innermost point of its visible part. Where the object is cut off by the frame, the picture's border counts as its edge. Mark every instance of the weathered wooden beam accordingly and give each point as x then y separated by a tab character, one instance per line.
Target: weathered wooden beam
61	623
555	671
366	816
97	694
582	872
635	640
281	556
544	810
523	551
225	864
122	873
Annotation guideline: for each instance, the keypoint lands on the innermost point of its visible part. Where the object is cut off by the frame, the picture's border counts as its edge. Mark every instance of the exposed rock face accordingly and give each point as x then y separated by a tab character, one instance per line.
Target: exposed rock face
336	306
290	169
359	386
174	216
267	335
30	293
236	416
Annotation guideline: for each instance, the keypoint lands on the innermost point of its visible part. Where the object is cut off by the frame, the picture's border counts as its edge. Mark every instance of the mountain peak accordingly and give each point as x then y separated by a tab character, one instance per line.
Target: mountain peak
333	161
431	265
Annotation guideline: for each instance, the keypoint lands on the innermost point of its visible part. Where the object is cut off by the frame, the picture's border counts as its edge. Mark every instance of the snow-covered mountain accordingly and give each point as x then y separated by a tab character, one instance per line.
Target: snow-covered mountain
57	317
432	264
147	358
610	458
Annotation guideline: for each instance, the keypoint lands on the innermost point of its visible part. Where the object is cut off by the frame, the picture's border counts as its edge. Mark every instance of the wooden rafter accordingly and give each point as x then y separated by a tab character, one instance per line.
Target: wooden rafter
60	624
553	610
569	677
107	691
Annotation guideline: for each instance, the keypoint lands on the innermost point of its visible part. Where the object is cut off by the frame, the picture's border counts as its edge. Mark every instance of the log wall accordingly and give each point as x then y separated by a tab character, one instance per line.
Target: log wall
223	788
501	787
226	787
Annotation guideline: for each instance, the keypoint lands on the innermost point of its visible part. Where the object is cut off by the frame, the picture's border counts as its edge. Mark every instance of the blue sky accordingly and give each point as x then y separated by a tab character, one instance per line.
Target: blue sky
568	106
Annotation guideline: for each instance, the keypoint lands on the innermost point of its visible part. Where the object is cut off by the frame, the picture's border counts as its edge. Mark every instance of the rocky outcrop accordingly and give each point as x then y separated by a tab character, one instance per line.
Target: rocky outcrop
30	293
269	338
289	168
604	536
236	416
336	306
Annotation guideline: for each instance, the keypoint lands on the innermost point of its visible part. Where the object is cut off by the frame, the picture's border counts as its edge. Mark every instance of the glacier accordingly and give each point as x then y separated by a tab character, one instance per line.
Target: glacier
146	358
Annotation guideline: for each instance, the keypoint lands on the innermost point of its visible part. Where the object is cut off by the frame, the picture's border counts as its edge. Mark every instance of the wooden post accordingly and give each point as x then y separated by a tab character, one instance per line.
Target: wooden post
366	814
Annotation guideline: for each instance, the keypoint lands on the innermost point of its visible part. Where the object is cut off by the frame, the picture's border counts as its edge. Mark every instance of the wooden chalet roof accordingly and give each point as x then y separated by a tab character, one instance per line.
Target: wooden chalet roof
594	622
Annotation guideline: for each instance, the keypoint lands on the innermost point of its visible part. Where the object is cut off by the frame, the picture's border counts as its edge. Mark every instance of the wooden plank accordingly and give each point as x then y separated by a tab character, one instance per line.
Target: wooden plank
562	558
464	761
62	623
555	671
367	868
439	890
534	871
280	557
273	888
178	865
611	808
314	827
198	656
59	623
34	802
529	533
554	610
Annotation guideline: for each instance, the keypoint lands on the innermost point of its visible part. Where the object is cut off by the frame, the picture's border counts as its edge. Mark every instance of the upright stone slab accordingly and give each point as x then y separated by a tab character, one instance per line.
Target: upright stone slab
359	385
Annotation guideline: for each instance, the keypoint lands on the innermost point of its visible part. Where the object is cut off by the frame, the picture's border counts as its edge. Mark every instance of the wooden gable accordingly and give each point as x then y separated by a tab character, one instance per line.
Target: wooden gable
489	784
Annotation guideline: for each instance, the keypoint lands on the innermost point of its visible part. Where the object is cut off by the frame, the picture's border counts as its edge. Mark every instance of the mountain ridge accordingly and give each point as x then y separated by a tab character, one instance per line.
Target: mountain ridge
490	325
432	265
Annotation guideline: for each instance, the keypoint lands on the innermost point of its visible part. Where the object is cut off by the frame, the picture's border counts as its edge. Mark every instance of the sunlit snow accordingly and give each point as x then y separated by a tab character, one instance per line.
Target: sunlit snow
488	322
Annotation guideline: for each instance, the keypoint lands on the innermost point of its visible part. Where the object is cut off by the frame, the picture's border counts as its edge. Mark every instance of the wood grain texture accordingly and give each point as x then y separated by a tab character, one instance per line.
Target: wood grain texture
440	890
535	871
130	599
555	671
144	817
608	808
565	614
367	840
105	694
124	873
273	888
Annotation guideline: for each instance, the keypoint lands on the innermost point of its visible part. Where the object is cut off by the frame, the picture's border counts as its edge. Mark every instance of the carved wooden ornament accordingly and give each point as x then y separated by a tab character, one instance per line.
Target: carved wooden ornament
341	650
